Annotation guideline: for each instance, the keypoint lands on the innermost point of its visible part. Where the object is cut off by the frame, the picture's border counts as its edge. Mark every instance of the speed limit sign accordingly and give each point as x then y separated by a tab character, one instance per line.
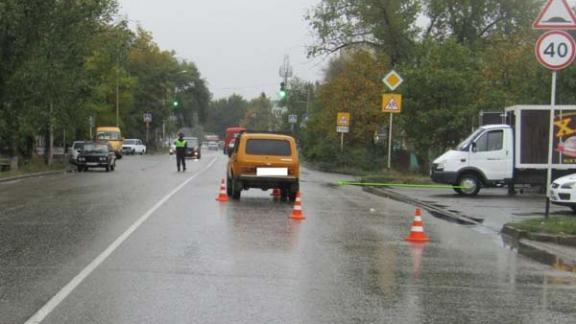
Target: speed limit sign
555	50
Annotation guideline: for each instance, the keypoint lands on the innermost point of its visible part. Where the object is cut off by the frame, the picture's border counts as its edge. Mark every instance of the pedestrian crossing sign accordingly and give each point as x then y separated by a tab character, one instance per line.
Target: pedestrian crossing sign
392	103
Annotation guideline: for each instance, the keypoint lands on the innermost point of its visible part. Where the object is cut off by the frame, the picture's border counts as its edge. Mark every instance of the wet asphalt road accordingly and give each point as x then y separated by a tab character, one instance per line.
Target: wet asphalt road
198	261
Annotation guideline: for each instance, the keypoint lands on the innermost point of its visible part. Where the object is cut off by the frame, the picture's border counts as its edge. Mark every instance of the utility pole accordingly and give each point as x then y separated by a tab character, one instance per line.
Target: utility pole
285	73
286	70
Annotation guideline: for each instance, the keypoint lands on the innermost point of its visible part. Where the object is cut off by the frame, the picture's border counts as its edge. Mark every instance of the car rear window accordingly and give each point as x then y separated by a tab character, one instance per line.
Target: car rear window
268	147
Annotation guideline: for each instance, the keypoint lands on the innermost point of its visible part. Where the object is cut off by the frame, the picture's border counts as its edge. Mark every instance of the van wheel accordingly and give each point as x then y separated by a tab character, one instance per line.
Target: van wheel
236	189
468	185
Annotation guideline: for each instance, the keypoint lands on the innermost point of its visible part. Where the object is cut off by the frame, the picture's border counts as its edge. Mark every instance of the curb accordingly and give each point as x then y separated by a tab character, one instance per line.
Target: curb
555	259
436	211
566	240
31	175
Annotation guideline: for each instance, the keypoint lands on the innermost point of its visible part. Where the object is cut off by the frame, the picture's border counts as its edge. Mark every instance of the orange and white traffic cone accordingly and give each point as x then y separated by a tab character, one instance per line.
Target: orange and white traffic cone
222	197
276	193
417	231
297	210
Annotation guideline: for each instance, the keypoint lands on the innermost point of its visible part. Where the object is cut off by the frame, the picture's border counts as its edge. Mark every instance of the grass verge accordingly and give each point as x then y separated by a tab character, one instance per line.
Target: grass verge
35	166
554	225
386	176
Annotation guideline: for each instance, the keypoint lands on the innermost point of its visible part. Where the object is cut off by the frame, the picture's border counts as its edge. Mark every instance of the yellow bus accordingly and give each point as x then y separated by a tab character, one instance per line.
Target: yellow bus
113	136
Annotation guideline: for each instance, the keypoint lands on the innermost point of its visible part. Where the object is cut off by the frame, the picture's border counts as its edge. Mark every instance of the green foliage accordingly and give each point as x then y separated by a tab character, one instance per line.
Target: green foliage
258	114
224	113
387	26
62	62
471	56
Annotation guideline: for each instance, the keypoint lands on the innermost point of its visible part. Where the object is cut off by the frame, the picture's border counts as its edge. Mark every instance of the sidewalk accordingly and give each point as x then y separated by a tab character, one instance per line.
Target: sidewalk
490	211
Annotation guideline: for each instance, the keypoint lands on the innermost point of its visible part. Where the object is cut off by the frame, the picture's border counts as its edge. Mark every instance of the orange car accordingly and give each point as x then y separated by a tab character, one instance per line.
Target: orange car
264	161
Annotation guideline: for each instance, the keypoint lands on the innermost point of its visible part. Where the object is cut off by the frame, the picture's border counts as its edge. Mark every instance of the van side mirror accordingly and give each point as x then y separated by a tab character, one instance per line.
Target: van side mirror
473	147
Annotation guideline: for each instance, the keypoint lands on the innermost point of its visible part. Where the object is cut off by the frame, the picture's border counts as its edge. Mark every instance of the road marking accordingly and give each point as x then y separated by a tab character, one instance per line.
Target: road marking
41	314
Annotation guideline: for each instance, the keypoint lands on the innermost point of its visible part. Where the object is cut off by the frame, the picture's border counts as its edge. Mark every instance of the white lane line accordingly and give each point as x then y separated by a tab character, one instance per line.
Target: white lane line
41	314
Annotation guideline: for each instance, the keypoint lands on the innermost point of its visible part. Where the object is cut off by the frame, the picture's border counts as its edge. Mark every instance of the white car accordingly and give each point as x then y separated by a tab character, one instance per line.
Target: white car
75	151
213	146
133	146
563	191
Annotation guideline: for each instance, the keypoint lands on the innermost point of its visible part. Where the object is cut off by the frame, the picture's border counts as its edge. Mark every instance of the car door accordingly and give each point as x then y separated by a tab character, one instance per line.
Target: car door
489	154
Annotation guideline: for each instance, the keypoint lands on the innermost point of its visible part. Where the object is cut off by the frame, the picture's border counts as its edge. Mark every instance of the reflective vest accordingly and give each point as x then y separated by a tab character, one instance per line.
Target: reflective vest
180	143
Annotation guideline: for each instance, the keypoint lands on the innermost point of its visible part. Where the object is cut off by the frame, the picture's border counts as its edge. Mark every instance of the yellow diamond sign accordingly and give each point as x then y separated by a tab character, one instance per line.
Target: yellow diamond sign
393	80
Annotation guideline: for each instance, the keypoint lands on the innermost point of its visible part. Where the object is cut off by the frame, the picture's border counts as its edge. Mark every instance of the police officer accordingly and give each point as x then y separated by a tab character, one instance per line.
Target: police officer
181	146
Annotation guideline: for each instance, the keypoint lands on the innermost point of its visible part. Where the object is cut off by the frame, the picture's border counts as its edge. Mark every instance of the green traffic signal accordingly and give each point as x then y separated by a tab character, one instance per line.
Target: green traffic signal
175	103
282	94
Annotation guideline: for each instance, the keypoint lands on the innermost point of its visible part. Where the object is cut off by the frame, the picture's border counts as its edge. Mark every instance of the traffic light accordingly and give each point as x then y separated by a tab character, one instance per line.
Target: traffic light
283	93
175	103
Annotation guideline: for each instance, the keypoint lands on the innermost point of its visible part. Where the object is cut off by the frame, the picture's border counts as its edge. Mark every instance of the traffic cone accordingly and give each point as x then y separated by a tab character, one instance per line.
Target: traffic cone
417	231
222	197
297	210
276	193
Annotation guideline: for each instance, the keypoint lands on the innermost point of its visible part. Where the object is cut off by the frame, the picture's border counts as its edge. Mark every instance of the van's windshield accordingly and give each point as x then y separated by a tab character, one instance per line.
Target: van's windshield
108	136
465	144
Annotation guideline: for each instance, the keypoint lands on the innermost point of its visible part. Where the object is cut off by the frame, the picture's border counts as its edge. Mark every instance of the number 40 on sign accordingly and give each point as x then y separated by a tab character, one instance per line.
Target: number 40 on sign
555	50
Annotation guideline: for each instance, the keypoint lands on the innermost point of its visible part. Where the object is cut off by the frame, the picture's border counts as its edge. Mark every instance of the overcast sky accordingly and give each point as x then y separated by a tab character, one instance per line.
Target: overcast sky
238	46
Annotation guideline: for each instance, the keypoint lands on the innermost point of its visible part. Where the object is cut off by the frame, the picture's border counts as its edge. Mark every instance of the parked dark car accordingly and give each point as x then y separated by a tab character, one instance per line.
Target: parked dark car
96	155
193	150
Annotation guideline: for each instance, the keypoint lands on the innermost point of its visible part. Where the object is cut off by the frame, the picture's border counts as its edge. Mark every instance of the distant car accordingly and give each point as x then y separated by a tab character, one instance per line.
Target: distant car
75	151
193	149
213	146
563	191
96	155
133	146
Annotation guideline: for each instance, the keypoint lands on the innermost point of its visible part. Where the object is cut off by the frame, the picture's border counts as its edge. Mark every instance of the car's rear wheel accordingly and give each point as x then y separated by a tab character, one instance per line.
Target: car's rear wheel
228	186
236	189
80	168
573	209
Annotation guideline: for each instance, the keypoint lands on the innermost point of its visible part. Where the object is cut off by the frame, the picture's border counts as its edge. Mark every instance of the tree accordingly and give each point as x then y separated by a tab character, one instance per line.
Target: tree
355	87
224	113
388	26
258	114
468	21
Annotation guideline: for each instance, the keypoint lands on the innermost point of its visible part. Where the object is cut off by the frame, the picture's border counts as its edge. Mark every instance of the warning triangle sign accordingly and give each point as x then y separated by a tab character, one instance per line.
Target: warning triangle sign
556	14
392	105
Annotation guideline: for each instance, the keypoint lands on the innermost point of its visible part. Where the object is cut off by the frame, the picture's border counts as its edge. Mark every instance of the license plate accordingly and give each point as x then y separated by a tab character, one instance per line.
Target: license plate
262	172
91	164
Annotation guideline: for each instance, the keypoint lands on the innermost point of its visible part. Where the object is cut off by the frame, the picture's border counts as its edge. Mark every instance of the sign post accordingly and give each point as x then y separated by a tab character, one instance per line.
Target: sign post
292	119
342	126
147	121
391	103
555	50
